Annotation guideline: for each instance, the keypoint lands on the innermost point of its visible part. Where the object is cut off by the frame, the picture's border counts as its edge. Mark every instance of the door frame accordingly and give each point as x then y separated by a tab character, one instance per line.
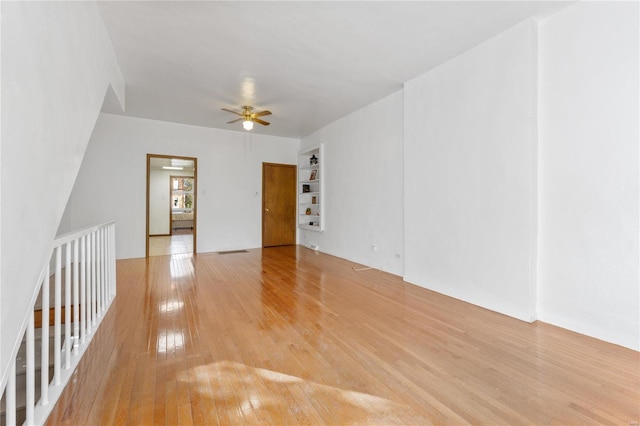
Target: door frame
262	213
195	201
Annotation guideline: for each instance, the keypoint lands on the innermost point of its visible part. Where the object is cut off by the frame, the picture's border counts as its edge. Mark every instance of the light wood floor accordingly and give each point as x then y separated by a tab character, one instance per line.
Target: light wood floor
181	242
288	336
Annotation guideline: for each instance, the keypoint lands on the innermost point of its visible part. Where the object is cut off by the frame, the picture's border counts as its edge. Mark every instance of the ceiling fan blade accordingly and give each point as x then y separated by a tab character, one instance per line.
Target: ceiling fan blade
264	123
234	121
231	111
261	113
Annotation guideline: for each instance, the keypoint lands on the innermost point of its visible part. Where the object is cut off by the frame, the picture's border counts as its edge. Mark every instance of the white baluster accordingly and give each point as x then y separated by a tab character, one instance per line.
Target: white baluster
76	302
44	354
99	280
114	280
31	371
10	396
83	288
99	273
107	270
56	315
105	266
104	269
89	309
67	307
94	279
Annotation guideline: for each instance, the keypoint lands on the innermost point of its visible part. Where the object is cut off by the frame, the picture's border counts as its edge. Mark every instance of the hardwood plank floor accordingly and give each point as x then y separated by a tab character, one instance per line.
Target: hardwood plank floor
180	242
289	336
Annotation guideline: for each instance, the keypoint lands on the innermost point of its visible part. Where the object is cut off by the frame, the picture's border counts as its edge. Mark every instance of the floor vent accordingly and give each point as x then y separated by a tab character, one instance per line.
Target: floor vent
233	251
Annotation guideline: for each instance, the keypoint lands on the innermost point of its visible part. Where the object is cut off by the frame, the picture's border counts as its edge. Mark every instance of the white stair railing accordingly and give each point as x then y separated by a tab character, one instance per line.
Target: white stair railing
83	290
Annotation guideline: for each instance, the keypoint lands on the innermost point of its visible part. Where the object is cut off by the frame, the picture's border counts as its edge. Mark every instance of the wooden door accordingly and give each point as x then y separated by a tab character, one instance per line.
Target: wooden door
278	204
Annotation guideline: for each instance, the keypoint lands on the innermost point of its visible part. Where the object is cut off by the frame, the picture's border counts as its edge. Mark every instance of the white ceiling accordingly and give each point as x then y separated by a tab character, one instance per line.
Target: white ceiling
310	63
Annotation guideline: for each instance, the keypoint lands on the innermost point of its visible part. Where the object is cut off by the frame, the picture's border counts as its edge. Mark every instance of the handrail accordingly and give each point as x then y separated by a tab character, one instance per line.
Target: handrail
69	236
88	283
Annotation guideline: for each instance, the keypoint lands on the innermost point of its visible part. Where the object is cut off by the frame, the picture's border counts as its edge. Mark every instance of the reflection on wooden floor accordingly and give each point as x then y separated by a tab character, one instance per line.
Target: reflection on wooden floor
181	242
286	335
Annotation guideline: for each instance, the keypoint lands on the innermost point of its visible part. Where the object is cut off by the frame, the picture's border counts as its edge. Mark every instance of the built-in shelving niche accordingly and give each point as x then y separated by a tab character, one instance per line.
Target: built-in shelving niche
311	188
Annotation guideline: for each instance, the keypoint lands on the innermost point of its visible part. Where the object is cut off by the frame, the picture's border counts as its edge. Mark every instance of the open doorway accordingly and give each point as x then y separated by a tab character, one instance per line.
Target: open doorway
171	205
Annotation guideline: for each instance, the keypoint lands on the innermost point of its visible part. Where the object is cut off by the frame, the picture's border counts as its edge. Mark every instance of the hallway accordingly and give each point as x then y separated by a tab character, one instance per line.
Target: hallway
288	335
180	242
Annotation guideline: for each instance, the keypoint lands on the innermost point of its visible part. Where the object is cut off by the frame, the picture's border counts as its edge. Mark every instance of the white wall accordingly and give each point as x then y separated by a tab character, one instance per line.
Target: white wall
159	199
469	183
229	180
589	170
57	65
363	186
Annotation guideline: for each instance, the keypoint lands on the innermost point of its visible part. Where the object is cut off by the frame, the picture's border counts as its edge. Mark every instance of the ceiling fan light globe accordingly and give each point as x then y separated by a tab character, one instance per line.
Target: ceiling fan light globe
247	124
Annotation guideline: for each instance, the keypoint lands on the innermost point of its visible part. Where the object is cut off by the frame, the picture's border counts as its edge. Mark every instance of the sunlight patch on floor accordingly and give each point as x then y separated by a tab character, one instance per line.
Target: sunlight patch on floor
270	394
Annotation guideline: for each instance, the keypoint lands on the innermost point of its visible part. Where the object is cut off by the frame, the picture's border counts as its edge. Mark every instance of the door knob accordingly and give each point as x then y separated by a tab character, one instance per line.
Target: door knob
266	210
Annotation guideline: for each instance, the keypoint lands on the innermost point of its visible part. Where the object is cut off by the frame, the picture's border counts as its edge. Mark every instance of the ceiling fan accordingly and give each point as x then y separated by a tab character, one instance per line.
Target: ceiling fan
248	117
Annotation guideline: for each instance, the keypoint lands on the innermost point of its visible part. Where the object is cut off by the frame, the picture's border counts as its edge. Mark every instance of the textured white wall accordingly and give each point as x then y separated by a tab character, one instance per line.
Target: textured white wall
229	180
363	185
57	65
469	182
589	278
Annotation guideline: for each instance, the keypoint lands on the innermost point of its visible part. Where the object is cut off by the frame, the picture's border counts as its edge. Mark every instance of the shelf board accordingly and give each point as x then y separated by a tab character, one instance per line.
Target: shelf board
314	167
310	181
309	193
309	204
310	227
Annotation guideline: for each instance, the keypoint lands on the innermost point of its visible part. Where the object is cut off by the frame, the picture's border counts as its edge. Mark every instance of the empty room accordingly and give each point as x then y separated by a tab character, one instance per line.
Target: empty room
311	212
